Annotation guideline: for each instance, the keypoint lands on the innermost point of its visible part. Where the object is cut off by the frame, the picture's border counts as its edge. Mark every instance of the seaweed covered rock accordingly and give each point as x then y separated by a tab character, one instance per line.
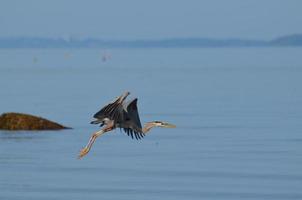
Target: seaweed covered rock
20	121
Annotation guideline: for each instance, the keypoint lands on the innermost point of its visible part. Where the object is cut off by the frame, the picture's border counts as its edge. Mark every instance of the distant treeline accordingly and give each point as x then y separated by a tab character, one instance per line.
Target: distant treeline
36	42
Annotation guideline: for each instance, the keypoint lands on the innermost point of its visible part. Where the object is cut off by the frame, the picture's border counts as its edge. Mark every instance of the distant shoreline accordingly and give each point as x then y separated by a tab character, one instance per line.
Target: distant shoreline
40	42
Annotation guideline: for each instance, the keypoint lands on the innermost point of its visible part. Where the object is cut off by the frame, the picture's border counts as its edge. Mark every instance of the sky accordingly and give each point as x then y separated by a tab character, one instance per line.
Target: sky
150	19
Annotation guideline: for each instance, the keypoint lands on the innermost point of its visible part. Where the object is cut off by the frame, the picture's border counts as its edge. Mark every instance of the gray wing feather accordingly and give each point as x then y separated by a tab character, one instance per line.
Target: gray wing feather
113	111
133	124
132	112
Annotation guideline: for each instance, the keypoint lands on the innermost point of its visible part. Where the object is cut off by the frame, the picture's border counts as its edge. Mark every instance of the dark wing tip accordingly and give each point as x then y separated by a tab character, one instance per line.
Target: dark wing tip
134	133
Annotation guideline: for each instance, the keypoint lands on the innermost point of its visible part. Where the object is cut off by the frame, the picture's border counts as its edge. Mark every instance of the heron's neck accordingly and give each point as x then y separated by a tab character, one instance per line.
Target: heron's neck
147	127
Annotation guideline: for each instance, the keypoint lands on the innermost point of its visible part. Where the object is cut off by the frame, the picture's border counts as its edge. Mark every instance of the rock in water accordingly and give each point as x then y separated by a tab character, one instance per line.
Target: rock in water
19	121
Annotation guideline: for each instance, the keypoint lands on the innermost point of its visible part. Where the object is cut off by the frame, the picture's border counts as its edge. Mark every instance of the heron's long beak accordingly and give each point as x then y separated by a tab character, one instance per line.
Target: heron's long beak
168	125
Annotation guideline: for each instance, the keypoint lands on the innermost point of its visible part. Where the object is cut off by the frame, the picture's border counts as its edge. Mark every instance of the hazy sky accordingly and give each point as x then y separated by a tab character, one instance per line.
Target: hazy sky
137	19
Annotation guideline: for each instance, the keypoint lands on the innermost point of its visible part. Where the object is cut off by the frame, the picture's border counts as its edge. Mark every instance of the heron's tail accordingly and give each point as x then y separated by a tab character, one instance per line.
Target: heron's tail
97	121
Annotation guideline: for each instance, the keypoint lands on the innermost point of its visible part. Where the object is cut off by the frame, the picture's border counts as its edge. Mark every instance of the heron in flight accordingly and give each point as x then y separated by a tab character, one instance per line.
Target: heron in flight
123	115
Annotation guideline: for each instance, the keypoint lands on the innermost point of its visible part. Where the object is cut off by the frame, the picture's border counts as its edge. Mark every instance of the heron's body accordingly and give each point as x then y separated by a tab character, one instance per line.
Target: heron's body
123	115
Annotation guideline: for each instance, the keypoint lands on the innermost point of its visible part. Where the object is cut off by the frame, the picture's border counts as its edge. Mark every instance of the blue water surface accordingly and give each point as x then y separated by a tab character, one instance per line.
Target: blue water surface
238	114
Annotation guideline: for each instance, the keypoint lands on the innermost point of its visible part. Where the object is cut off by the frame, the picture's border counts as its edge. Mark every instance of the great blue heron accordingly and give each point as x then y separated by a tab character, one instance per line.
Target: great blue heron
124	115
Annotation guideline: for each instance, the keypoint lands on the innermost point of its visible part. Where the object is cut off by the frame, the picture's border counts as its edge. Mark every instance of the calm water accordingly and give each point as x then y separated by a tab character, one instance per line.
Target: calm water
238	112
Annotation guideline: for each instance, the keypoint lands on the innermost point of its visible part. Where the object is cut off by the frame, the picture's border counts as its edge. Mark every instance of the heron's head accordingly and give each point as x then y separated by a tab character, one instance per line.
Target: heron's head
163	124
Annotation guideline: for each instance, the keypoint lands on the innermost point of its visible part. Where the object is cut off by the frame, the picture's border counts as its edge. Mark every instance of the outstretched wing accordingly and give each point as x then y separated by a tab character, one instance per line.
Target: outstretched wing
112	111
132	125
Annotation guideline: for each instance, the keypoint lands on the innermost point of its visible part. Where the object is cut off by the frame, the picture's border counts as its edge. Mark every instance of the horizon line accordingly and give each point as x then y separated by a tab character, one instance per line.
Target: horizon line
70	37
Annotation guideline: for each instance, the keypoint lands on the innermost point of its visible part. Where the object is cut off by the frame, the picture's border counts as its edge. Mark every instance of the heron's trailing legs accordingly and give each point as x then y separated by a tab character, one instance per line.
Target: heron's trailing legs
109	126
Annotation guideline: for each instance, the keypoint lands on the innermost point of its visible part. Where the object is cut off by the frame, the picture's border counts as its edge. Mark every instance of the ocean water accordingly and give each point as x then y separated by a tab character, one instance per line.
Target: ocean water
238	114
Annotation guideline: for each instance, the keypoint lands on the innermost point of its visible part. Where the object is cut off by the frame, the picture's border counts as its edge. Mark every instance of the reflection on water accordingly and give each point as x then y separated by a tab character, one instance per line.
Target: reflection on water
17	136
238	117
